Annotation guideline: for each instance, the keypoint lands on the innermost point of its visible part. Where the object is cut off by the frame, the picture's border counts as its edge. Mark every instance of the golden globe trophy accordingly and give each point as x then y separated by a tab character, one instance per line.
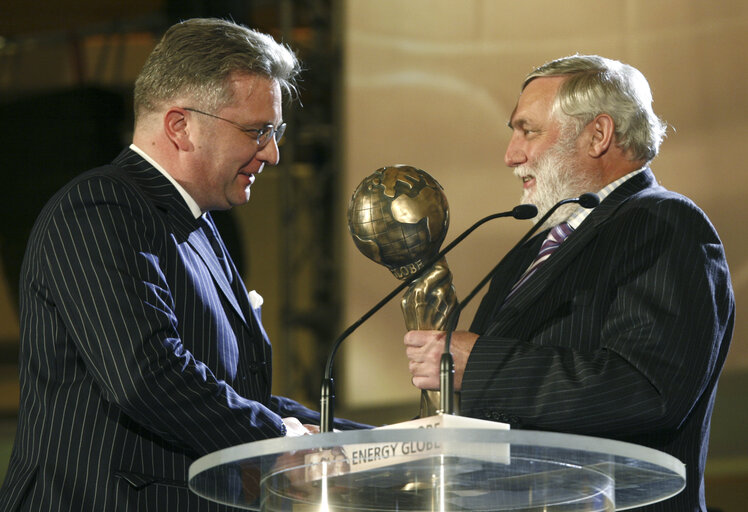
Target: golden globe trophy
399	217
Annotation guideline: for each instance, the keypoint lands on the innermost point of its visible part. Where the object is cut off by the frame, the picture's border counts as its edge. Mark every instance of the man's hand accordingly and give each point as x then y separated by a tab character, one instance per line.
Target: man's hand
424	350
294	428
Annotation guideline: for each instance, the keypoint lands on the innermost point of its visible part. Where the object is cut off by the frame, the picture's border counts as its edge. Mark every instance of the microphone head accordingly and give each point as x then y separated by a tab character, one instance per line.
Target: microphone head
524	211
589	200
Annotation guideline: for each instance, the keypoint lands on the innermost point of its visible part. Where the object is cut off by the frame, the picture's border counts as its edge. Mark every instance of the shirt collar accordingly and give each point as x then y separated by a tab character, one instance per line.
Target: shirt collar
576	218
191	203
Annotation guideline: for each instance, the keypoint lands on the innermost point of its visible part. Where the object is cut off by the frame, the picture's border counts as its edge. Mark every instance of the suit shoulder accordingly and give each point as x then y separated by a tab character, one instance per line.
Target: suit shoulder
103	185
88	195
674	209
658	193
659	198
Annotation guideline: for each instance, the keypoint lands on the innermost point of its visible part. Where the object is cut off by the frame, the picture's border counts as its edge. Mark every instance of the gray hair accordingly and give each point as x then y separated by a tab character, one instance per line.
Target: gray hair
596	85
196	58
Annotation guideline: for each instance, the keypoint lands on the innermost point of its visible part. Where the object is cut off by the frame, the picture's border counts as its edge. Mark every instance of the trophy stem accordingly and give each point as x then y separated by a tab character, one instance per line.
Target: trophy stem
426	305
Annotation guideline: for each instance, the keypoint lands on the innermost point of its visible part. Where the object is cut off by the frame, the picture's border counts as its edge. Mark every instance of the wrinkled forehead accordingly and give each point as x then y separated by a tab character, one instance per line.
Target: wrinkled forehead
536	102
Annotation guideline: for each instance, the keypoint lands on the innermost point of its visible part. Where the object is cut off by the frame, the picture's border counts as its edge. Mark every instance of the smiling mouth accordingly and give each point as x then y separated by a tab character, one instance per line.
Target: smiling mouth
528	180
250	176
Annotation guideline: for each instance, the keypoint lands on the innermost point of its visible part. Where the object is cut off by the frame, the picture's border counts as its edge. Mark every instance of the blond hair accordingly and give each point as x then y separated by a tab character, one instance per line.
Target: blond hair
196	59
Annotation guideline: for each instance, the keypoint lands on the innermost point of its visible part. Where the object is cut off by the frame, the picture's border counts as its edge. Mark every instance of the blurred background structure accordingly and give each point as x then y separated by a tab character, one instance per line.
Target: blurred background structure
428	83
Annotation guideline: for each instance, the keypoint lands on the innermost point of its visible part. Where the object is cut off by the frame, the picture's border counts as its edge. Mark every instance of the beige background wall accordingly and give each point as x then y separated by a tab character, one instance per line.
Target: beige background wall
431	83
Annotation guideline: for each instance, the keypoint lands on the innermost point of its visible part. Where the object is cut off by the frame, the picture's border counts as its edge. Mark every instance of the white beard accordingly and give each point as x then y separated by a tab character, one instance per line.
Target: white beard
557	176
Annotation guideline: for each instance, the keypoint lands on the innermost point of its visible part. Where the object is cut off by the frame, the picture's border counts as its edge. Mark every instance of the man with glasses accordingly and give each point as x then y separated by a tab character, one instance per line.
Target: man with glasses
141	349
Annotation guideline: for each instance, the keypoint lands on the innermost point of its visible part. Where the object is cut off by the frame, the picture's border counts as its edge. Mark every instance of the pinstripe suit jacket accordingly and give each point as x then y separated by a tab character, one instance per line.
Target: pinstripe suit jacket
137	354
622	333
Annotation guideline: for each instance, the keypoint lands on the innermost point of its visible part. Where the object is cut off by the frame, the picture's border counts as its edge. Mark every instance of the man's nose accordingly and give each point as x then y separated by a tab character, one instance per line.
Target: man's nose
514	155
270	154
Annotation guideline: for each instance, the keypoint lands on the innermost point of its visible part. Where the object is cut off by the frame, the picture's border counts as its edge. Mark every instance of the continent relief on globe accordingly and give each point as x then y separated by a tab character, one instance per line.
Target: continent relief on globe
398	217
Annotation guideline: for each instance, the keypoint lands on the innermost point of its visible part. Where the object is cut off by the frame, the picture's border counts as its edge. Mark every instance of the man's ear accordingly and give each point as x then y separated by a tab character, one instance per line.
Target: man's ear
176	128
603	135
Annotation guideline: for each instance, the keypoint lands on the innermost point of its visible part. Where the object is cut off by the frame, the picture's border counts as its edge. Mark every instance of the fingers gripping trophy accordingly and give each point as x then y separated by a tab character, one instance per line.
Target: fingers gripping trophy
399	217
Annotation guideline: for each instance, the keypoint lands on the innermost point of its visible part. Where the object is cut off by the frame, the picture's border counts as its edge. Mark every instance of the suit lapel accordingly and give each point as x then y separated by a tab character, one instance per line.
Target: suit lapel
200	243
185	226
566	254
513	265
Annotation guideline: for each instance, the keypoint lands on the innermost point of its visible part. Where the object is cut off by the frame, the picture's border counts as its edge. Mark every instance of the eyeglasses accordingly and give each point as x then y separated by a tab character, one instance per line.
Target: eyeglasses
260	135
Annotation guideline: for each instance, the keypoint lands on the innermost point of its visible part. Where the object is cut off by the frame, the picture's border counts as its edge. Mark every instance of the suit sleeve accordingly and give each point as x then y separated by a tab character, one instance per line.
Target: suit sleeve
101	253
656	319
287	407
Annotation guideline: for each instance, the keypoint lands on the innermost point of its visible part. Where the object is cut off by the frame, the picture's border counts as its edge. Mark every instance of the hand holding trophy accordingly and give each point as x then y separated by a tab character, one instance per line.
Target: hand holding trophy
399	217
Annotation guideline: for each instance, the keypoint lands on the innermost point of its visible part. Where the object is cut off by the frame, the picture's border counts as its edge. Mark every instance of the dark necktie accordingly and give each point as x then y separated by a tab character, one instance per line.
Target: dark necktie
552	242
210	231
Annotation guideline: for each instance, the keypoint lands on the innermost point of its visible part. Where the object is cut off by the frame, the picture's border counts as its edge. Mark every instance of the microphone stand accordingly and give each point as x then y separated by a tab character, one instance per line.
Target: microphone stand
327	393
446	364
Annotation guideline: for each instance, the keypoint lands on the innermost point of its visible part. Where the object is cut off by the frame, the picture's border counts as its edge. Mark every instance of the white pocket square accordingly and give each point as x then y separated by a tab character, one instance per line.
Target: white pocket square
255	299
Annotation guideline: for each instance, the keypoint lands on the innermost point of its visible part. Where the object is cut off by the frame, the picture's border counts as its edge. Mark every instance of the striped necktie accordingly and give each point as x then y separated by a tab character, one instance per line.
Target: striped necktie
557	235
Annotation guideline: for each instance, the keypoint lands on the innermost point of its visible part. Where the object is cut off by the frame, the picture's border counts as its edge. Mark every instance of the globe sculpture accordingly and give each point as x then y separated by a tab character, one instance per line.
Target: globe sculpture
398	217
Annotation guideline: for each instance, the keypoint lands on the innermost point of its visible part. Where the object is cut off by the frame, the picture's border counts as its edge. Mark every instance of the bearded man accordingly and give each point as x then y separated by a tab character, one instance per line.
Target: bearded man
623	330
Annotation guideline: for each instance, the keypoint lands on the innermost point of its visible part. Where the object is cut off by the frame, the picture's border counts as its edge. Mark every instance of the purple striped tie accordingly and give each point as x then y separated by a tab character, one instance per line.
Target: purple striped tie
557	235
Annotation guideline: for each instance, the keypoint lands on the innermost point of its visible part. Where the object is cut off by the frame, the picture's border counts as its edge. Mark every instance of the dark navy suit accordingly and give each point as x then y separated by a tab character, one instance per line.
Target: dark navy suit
138	353
621	334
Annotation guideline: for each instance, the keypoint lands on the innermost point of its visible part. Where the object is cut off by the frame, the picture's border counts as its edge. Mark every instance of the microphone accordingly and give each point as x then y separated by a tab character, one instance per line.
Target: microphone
588	200
446	364
327	394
